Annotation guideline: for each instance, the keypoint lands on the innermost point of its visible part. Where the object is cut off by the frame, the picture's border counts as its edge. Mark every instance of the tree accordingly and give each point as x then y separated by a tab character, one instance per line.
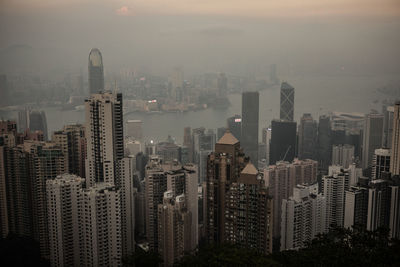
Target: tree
142	258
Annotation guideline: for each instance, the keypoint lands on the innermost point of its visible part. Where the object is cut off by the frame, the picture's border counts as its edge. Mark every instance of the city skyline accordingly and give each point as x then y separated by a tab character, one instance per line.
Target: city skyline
199	133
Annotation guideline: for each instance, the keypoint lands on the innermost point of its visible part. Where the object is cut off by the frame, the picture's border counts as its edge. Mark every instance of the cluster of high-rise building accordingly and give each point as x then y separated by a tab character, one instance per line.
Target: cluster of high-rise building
94	194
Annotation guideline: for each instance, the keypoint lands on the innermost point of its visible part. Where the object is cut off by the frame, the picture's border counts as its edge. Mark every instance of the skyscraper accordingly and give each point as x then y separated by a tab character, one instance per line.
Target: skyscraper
64	195
249	135
307	137
96	72
283	141
388	113
380	163
38	122
281	178
378	204
178	179
356	207
395	158
324	142
287	102
73	144
342	155
174	224
266	139
234	124
237	205
394	220
104	136
334	186
101	226
303	217
372	138
105	162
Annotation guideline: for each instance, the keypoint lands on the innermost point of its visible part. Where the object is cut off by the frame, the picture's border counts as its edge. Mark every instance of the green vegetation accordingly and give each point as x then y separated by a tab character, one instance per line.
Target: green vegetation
340	247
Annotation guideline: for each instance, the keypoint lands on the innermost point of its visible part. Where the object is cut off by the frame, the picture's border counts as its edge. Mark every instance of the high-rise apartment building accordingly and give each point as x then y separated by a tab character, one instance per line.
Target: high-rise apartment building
73	144
283	141
307	137
101	226
249	135
174	228
46	162
303	217
395	158
287	102
25	168
104	136
378	204
237	205
280	179
176	178
394	220
380	163
105	161
342	155
64	197
96	72
224	165
388	114
372	138
356	207
334	186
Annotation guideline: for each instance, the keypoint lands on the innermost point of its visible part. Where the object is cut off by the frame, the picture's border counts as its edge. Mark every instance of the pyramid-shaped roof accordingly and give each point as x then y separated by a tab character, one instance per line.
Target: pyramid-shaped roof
249	169
228	139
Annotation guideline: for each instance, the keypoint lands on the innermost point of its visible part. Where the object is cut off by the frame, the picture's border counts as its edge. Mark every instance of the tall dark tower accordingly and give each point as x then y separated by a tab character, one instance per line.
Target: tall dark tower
287	102
283	141
96	73
249	136
234	125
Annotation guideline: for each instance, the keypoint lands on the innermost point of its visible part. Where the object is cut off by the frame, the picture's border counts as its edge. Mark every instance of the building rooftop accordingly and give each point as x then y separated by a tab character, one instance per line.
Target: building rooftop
228	139
249	169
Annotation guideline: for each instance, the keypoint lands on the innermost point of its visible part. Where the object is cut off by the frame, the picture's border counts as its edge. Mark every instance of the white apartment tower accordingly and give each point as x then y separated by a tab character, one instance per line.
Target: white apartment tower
64	195
104	136
105	161
101	226
333	189
303	217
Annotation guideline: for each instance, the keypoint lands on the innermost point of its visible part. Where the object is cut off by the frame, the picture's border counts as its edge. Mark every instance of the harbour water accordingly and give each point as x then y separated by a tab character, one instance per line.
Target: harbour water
315	95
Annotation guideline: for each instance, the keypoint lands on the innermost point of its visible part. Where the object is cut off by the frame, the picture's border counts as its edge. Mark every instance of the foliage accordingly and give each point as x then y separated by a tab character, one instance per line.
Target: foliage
226	255
20	251
142	258
345	247
340	247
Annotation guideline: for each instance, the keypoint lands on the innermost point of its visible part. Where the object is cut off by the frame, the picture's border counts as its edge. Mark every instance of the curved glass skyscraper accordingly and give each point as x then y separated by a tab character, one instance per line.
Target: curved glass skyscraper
96	74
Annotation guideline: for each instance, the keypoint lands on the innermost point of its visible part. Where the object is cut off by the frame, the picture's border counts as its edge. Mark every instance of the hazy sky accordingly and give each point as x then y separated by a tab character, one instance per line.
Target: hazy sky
359	36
